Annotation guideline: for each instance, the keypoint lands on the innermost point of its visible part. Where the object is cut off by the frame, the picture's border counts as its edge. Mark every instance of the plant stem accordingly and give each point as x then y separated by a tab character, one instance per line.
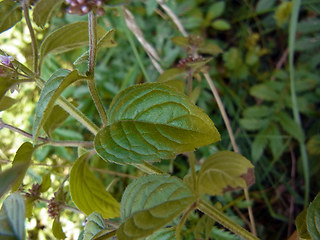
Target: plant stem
183	220
25	6
218	216
64	103
295	108
92	26
47	141
133	46
193	172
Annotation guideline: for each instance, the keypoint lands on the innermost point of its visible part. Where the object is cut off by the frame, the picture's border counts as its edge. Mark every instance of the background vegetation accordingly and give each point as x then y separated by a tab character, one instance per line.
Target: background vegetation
252	71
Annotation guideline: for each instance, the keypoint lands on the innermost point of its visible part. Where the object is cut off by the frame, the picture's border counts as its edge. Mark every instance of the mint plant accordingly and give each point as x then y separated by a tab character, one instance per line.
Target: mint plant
144	125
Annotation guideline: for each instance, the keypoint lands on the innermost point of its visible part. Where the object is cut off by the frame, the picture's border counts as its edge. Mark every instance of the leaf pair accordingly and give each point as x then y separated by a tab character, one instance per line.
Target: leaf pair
152	121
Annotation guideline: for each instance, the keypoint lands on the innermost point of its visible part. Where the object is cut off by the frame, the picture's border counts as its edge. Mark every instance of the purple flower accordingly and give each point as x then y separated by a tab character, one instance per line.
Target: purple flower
6	60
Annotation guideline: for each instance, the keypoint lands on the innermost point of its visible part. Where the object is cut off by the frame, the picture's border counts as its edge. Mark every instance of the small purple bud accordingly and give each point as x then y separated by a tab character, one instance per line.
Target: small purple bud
100	12
74	3
84	9
67	1
81	1
6	60
99	3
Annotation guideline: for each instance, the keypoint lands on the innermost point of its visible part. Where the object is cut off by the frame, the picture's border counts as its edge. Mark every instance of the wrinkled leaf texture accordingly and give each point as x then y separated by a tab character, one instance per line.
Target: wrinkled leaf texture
88	193
43	10
150	203
222	171
152	121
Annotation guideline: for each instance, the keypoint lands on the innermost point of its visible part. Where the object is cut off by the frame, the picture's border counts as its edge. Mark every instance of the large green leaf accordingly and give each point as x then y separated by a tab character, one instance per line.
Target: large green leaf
313	218
172	74
163	234
223	171
57	229
150	203
12	217
10	14
301	225
88	193
66	38
57	116
43	10
11	175
153	121
23	155
49	94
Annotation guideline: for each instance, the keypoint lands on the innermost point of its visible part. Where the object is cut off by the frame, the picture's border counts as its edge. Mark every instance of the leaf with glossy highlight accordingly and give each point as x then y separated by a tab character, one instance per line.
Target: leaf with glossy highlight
23	155
49	94
43	10
66	38
313	218
88	193
150	203
153	121
223	171
12	217
10	14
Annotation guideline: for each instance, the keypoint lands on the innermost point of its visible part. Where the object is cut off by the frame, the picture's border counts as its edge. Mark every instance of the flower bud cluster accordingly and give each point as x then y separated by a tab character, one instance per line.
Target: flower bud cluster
81	7
54	208
182	63
34	191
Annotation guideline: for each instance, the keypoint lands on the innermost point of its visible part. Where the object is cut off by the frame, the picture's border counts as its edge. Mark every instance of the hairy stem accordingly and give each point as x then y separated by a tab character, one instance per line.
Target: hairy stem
25	6
218	216
183	220
92	25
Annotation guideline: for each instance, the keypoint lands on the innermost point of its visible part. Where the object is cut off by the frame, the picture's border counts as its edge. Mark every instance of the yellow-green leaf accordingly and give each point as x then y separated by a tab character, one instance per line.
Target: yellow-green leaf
223	171
46	183
153	121
150	203
12	218
172	74
49	94
66	38
10	14
43	10
88	193
301	225
57	229
23	155
57	116
6	102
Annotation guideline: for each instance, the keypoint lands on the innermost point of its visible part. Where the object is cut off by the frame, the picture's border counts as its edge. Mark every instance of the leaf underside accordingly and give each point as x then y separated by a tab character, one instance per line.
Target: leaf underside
153	121
150	203
224	171
88	193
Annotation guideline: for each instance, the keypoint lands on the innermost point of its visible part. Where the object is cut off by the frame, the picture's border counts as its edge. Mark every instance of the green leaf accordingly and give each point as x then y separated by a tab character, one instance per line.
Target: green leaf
57	116
253	124
307	43
215	10
264	5
151	6
5	85
257	112
43	10
66	38
49	94
46	182
259	144
313	218
309	25
301	225
88	193
10	176
23	155
150	203
290	126
264	92
222	171
172	74
283	13
181	41
203	228
210	48
313	145
57	229
12	217
221	25
153	121
10	14
107	40
94	225
163	234
6	102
